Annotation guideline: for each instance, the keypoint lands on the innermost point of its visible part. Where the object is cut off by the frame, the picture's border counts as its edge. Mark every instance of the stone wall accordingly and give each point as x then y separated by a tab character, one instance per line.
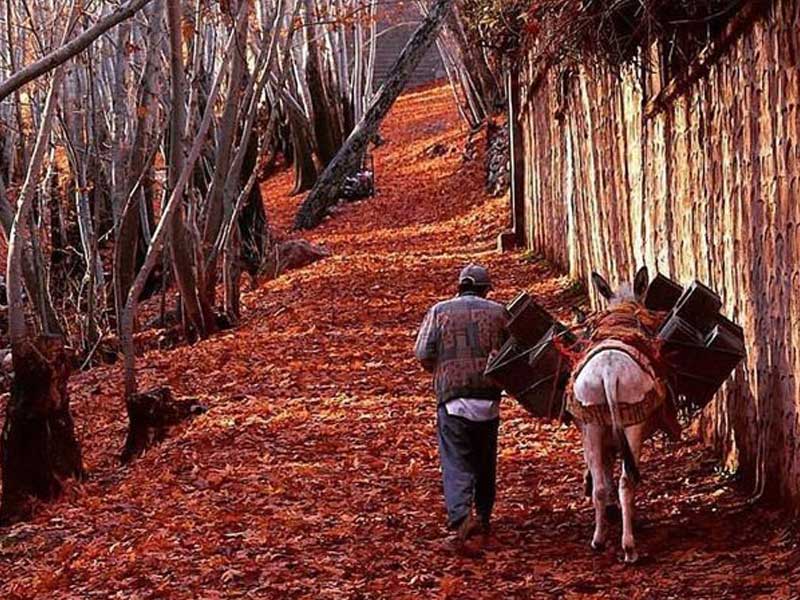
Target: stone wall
398	27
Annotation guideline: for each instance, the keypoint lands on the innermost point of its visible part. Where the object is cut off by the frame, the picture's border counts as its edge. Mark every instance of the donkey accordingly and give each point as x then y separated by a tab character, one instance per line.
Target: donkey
613	377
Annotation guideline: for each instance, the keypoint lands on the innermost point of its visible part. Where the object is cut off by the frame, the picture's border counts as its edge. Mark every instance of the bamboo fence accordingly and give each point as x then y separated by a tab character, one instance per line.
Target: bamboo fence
696	178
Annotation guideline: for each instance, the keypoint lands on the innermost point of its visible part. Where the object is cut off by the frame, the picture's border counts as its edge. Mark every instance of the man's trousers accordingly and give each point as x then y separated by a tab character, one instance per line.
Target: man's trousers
468	454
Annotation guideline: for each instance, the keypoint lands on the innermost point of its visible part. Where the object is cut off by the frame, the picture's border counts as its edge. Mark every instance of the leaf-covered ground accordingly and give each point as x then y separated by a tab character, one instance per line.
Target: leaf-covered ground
314	473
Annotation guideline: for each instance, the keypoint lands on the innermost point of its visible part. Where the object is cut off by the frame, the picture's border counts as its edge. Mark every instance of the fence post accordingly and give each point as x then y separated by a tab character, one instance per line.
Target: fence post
515	236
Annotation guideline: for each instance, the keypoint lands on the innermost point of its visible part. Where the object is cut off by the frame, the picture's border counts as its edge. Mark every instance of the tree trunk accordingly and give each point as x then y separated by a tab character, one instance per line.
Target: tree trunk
133	234
305	171
357	91
231	275
230	246
326	191
217	200
326	129
369	76
180	243
38	448
450	68
93	277
17	328
120	139
253	226
45	311
344	90
479	76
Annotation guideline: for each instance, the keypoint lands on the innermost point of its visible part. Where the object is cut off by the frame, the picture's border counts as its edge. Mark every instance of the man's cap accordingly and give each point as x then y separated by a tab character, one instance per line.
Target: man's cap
475	275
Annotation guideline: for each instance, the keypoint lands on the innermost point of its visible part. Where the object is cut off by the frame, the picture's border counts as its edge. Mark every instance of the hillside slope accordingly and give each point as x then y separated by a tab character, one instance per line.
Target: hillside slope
314	473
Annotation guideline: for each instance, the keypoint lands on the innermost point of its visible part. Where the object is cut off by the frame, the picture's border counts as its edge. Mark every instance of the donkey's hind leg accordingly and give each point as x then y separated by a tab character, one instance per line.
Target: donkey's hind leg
593	452
613	511
627	489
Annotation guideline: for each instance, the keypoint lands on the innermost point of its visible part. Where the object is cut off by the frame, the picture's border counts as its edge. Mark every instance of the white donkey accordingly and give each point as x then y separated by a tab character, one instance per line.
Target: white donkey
611	377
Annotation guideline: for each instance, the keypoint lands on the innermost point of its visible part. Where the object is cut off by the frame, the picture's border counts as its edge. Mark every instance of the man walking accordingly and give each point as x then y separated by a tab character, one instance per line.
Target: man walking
454	343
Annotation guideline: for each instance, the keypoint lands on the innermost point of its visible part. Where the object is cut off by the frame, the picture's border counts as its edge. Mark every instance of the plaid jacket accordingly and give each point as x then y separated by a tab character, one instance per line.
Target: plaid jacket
454	342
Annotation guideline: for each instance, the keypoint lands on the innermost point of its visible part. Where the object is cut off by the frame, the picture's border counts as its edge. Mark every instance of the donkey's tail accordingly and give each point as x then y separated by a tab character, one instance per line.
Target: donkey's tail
628	459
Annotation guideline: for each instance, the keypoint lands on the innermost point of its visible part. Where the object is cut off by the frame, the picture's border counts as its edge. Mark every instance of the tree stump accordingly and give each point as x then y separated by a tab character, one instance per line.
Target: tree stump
150	414
38	447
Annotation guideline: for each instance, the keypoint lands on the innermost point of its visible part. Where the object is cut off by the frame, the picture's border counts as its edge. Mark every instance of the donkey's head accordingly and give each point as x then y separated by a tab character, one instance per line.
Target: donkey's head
626	292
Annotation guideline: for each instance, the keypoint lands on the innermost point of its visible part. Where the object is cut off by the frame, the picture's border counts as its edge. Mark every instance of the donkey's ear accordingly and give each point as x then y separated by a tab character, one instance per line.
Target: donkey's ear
602	286
640	283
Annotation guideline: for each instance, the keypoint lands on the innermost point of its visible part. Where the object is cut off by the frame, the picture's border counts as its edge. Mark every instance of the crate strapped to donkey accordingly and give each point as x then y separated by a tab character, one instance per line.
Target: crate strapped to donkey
677	334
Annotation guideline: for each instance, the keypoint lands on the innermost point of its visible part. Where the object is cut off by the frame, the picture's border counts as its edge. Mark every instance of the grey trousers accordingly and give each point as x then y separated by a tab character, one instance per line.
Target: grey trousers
468	454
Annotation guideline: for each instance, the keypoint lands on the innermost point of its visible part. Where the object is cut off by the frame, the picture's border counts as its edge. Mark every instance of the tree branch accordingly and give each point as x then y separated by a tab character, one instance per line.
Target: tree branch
64	53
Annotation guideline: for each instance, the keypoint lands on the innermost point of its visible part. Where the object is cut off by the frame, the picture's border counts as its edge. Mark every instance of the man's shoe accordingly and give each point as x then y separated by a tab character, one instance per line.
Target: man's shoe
469	527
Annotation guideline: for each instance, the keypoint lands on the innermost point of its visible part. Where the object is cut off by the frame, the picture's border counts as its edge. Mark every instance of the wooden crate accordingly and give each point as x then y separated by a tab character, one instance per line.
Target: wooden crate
662	294
699	306
698	372
701	347
535	376
529	322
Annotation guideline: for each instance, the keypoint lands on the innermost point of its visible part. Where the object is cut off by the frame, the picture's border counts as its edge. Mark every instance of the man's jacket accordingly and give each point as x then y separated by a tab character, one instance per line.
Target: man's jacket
455	341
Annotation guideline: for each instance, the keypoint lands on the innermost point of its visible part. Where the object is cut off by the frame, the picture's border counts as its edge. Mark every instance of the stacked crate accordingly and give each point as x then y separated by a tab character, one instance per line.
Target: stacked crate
701	346
529	366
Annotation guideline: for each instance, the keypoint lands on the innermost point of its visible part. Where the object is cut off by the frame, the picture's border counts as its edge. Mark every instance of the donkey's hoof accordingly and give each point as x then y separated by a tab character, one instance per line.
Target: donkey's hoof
631	556
598	546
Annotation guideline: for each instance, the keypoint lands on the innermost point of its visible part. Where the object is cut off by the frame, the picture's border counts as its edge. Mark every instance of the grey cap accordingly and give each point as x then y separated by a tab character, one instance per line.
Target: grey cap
475	275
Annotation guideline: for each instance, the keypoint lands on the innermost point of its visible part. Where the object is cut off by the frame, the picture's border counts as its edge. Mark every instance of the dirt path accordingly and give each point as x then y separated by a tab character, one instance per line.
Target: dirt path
314	473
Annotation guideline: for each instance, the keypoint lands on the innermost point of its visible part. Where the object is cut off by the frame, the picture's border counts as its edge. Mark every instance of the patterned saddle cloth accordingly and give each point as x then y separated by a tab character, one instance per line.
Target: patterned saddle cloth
630	414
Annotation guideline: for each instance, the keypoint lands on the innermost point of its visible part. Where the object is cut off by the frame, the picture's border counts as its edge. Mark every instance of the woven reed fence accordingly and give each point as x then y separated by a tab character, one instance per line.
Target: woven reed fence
696	178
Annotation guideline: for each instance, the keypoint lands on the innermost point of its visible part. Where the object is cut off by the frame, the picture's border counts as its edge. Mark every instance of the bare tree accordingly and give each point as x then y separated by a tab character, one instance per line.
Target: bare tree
163	229
136	211
63	53
38	447
116	144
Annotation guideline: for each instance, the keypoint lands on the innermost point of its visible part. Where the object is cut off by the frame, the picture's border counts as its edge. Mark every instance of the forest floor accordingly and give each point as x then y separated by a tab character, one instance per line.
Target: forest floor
314	473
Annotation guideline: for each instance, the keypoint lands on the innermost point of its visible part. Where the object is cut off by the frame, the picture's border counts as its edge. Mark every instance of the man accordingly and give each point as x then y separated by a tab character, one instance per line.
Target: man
454	343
